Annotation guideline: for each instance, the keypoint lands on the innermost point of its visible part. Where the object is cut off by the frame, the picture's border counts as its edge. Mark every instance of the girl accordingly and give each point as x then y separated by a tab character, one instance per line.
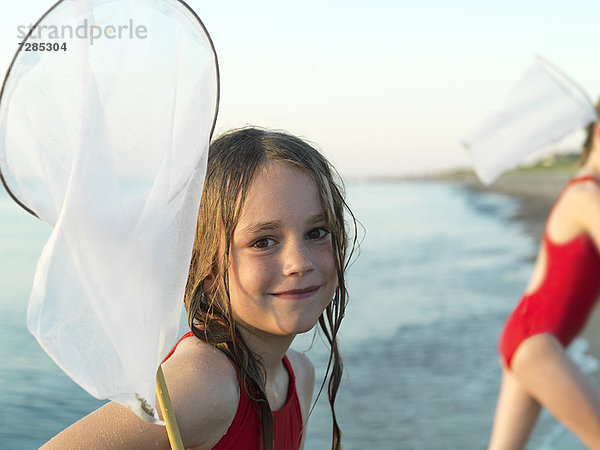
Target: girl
563	290
268	262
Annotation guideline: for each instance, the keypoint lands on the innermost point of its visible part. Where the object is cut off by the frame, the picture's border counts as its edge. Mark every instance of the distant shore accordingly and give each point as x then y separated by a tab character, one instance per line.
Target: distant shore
536	190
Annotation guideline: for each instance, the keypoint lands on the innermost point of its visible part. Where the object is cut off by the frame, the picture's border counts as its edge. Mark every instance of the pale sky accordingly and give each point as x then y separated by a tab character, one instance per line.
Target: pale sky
382	87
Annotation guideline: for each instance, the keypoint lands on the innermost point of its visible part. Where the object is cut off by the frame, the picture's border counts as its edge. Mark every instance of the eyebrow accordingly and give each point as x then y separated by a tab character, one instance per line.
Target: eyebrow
261	226
317	218
275	224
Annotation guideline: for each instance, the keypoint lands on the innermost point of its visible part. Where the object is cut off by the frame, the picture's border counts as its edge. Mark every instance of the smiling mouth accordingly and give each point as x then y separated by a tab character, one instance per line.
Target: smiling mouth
296	294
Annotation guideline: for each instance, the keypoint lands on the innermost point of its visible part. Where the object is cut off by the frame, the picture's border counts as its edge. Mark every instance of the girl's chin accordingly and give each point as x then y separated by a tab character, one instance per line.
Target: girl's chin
297	328
292	329
288	329
283	323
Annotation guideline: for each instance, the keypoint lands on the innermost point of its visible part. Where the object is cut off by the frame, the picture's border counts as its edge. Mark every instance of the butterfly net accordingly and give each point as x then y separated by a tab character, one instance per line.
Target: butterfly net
543	107
104	136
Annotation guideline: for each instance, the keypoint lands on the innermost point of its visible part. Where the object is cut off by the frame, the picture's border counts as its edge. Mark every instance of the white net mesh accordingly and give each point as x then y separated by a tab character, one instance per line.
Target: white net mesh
543	107
105	137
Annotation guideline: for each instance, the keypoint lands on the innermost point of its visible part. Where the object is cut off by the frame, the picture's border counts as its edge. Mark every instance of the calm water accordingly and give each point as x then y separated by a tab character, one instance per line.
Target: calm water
439	270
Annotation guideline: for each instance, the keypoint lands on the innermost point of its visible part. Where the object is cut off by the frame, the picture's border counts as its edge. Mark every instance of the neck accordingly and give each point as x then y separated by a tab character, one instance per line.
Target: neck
268	348
592	165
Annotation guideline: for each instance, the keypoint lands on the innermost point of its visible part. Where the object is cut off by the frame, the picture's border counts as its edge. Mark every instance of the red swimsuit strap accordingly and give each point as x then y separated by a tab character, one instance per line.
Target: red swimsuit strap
573	181
584	178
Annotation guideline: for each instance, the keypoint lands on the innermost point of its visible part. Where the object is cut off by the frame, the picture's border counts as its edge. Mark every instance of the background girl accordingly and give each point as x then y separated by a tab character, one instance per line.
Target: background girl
269	261
563	290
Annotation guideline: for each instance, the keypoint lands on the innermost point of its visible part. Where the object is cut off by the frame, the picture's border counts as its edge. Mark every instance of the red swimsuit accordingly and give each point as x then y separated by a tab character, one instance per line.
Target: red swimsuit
562	303
245	432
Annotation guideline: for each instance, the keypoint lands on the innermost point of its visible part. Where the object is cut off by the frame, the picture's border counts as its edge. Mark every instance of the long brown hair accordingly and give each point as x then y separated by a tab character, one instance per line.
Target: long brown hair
233	161
589	139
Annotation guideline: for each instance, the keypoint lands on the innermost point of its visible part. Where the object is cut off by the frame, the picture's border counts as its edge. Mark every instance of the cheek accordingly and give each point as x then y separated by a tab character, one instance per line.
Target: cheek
249	276
327	263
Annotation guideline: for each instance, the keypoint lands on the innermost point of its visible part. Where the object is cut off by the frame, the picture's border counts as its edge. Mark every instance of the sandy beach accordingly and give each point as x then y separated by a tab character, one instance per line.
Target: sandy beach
536	190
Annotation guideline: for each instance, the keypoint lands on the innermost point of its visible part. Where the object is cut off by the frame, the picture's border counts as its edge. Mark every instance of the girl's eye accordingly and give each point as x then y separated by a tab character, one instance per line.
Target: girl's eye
317	233
263	243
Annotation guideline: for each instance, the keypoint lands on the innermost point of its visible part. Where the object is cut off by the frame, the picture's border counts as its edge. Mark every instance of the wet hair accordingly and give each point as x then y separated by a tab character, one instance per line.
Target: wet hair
233	161
588	144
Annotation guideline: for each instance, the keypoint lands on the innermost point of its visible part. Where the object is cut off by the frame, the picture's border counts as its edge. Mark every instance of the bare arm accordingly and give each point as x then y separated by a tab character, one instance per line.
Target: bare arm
111	426
204	391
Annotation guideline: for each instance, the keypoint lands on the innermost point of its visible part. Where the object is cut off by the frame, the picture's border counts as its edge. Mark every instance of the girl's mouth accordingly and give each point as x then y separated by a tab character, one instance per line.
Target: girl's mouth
296	294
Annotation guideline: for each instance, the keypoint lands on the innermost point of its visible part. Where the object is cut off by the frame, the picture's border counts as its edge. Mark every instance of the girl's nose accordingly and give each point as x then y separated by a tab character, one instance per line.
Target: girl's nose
297	259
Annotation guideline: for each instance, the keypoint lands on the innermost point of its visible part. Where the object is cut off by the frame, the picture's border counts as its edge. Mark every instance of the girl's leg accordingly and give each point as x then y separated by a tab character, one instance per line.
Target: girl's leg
516	413
543	370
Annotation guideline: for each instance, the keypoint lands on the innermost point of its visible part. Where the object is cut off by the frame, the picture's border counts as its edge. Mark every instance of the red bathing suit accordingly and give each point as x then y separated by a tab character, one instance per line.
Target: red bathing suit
562	303
245	432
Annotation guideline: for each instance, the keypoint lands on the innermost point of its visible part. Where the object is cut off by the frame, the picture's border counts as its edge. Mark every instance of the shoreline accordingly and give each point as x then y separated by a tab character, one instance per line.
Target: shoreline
536	191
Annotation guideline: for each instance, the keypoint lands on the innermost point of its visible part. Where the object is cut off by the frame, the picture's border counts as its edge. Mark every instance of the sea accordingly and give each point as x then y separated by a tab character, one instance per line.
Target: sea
439	268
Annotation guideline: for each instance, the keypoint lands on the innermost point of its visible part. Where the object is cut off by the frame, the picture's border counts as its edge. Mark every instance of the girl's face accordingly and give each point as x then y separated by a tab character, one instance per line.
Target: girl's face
282	272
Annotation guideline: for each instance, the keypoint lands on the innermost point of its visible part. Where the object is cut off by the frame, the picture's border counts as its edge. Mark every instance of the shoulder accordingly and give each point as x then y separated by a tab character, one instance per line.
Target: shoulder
204	390
203	387
585	187
583	198
578	199
582	203
304	371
